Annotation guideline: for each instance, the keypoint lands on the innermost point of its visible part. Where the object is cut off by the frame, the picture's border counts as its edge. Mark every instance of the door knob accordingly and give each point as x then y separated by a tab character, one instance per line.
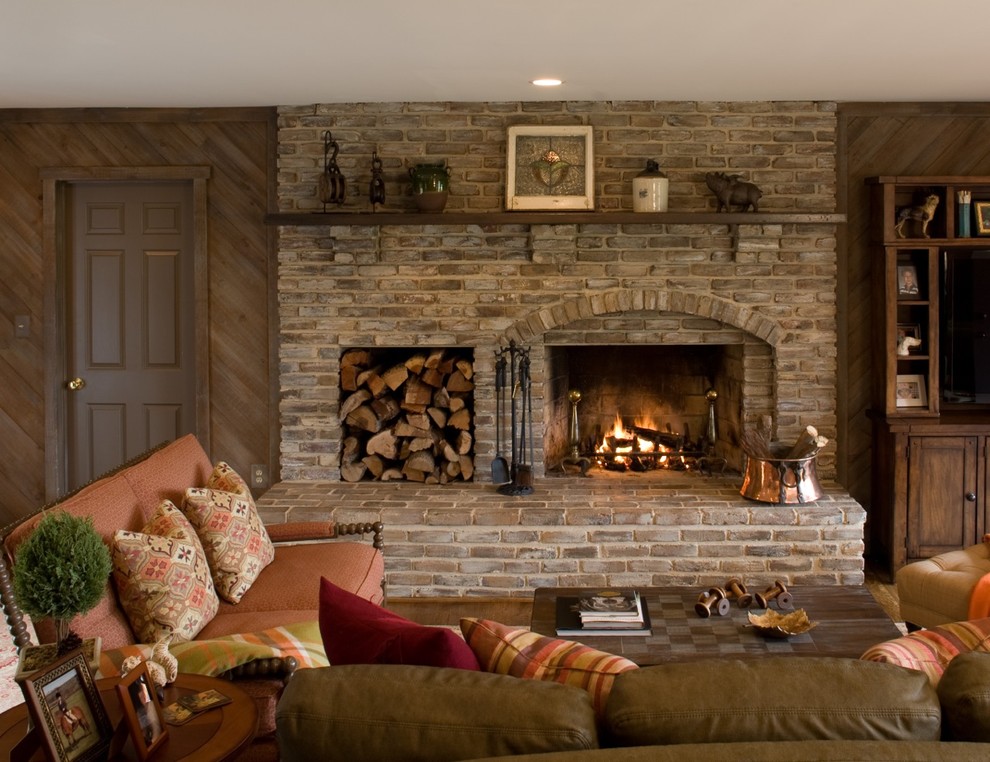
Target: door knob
971	497
76	384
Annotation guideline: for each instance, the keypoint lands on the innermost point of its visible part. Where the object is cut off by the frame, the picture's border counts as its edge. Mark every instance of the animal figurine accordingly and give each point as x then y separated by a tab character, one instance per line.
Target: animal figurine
163	666
729	190
905	344
922	213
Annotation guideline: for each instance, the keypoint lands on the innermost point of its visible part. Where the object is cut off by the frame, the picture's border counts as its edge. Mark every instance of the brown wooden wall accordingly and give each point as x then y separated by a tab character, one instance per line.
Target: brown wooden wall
886	139
238	146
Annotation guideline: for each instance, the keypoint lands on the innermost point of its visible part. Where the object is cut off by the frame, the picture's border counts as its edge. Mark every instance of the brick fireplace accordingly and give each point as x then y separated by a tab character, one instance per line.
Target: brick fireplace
757	299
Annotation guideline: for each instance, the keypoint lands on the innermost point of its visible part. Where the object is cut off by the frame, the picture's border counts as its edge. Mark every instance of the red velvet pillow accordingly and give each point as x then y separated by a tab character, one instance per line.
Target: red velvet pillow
356	631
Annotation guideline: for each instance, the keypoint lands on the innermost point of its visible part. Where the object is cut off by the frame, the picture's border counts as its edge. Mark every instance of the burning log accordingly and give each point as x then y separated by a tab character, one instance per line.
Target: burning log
667	439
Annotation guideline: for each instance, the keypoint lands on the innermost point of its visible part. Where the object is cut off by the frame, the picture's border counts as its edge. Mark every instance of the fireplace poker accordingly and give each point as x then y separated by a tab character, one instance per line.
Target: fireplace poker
500	468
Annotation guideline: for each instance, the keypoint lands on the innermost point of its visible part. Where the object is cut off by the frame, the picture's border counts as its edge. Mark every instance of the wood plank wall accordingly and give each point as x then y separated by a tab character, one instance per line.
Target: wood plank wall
238	145
886	139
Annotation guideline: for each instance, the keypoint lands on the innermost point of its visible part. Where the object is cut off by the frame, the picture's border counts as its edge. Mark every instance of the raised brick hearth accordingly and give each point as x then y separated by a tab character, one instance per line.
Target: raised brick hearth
765	292
682	529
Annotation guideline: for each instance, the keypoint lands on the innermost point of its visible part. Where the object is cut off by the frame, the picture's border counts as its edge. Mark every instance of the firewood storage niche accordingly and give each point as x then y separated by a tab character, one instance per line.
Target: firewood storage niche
407	414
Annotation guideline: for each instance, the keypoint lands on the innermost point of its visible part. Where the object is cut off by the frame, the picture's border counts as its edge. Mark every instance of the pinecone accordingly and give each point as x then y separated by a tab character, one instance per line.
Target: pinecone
70	642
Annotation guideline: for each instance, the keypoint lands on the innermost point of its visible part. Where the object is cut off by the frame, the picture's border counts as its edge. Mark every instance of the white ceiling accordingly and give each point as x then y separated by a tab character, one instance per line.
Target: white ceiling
198	53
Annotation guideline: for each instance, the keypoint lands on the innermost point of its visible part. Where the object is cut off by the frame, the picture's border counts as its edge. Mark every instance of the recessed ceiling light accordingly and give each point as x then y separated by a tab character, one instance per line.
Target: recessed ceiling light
547	82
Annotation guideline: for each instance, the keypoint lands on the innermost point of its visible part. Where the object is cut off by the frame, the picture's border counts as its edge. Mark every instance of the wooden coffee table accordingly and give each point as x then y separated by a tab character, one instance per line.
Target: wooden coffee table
849	620
214	736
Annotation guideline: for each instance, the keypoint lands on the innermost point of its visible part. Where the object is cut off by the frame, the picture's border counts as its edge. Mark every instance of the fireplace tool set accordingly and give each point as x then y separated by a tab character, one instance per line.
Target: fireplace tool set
513	399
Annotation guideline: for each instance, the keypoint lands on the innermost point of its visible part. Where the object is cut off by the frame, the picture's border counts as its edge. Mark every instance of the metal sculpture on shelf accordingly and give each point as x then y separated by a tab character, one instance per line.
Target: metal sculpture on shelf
331	186
730	190
520	408
376	191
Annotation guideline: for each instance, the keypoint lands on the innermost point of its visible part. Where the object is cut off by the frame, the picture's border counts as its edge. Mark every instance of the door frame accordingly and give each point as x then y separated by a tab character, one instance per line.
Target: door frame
54	182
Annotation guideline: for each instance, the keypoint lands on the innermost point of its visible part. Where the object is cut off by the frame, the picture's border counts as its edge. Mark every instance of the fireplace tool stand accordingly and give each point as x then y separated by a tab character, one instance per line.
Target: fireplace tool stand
520	407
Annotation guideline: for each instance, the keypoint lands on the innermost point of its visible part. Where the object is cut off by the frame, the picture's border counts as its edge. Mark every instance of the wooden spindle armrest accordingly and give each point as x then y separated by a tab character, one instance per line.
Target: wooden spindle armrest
308	531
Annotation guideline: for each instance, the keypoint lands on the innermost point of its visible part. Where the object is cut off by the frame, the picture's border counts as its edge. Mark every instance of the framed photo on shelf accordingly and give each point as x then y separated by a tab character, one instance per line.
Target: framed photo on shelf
70	722
982	211
907	282
550	168
911	391
143	712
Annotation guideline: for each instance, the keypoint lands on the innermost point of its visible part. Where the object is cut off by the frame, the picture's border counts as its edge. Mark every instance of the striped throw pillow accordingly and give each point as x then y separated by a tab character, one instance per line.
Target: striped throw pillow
931	650
518	652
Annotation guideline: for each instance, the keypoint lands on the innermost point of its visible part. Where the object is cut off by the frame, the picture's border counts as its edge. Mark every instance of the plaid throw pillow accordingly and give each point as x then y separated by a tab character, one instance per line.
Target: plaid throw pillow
521	653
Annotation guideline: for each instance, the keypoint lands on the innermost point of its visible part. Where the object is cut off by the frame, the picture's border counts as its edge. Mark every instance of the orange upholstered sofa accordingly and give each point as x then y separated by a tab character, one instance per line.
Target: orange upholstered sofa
285	593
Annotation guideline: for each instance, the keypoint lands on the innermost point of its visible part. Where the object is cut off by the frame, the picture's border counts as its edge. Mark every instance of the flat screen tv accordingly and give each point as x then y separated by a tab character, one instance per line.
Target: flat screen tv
964	324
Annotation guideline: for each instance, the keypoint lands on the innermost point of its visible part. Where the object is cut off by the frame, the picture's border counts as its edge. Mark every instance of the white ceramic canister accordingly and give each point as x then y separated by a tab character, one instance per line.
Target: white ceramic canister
650	188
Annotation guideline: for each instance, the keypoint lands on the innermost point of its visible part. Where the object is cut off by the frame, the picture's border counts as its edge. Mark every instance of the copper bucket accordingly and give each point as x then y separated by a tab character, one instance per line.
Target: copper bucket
782	481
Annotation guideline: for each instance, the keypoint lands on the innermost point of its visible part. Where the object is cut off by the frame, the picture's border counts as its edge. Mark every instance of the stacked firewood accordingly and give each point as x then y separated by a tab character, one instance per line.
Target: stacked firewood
410	420
756	444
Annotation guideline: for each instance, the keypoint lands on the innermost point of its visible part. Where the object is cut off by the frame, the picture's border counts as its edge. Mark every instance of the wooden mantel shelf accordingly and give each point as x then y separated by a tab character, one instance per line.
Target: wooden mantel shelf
554	218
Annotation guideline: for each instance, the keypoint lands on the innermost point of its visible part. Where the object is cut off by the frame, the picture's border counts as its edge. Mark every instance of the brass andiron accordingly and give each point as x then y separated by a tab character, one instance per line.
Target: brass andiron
575	458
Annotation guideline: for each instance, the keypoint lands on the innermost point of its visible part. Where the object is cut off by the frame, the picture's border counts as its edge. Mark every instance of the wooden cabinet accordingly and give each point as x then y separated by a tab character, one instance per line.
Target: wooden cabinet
942	483
930	488
931	412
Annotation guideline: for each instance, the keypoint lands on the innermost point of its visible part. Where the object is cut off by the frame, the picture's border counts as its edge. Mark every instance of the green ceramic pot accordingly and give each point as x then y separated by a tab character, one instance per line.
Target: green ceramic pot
430	186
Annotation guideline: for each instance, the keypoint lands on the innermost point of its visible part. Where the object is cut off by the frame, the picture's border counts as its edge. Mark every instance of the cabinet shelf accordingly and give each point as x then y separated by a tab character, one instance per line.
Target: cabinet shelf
931	462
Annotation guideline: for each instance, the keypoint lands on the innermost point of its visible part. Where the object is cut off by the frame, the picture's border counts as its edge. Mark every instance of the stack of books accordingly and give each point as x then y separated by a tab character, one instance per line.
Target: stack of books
603	612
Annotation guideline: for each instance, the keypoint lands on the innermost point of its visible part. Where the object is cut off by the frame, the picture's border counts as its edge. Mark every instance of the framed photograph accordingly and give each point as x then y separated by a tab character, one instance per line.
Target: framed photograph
142	710
911	391
982	211
550	168
908	339
907	282
67	712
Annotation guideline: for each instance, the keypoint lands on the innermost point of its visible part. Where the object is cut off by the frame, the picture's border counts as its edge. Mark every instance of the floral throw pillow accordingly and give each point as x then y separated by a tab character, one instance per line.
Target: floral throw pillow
234	539
226	479
163	579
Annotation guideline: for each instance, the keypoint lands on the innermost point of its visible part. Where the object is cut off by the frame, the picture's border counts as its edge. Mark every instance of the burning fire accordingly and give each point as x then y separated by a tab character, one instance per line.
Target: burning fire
620	442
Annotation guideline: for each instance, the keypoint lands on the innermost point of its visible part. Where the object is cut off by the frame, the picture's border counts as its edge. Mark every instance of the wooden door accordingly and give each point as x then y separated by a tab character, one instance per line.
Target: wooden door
942	495
131	377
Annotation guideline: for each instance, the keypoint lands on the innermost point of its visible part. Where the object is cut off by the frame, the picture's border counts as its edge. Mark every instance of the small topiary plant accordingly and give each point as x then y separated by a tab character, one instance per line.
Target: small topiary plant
61	570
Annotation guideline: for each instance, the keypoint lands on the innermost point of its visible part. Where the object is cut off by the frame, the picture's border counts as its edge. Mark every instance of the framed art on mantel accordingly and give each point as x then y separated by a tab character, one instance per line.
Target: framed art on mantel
550	168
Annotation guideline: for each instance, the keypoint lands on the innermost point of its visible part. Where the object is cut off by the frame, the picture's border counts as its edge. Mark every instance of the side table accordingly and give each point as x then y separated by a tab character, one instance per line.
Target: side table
216	735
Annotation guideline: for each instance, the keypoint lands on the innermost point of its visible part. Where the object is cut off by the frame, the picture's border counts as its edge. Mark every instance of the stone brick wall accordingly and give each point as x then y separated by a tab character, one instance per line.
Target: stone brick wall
787	148
768	289
481	285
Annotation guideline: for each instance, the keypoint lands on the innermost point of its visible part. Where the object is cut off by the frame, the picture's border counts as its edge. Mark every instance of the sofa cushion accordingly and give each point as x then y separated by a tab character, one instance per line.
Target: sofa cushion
781	751
771	699
166	473
233	536
930	651
517	651
402	713
964	691
356	631
162	578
